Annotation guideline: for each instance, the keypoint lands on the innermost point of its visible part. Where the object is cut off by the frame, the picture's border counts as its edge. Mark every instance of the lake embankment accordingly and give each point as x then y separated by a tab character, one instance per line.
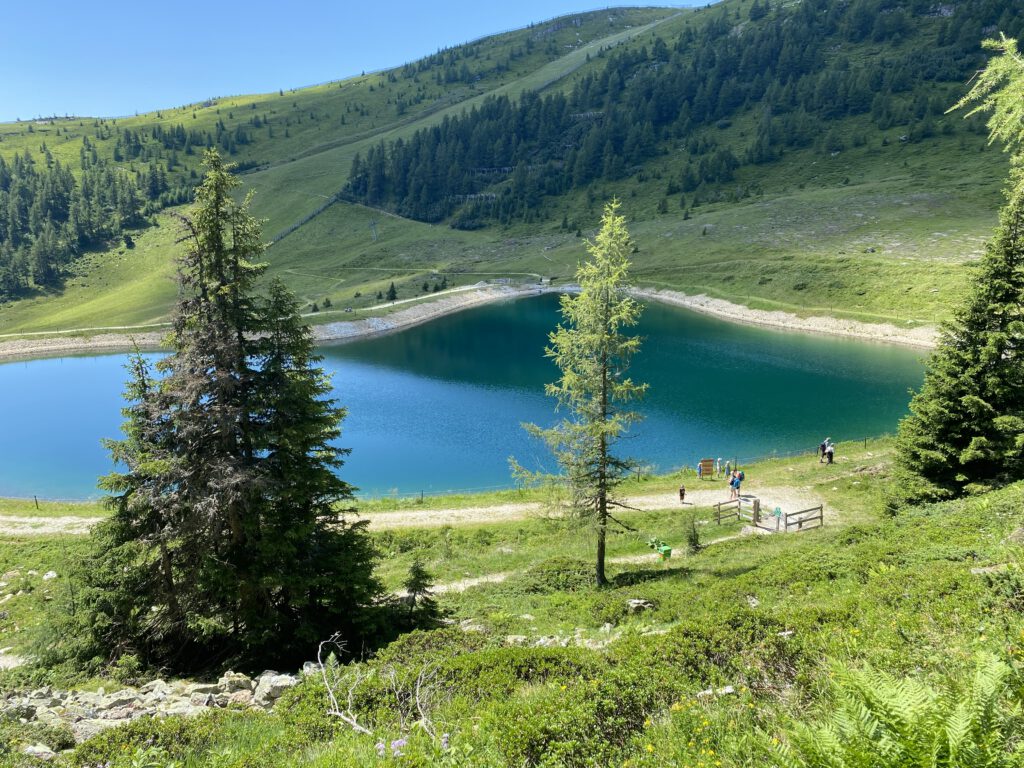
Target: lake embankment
422	310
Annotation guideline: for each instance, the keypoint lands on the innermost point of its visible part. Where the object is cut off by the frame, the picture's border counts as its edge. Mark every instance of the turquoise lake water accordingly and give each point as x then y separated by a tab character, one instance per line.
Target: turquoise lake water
438	407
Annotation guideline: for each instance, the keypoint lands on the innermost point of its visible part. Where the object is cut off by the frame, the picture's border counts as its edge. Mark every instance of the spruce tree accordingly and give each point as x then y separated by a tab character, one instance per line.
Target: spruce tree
593	356
965	432
225	538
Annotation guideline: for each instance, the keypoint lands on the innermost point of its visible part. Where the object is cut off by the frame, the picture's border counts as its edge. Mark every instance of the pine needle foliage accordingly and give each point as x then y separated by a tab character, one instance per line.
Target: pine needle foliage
227	537
881	721
965	432
593	355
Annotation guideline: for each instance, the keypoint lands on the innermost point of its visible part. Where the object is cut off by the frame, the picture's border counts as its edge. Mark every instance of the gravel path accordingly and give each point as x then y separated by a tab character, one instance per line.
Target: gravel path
790	499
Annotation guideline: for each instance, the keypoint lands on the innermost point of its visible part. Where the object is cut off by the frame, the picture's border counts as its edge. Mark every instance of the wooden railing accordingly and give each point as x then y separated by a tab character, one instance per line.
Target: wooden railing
813	517
749	509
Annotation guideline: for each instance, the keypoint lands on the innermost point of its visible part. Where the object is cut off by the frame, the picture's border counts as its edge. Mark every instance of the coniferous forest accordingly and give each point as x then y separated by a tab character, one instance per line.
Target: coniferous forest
500	161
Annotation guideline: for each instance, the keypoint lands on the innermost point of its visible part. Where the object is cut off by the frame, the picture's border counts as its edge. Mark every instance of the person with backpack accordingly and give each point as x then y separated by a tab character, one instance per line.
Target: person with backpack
734	484
830	451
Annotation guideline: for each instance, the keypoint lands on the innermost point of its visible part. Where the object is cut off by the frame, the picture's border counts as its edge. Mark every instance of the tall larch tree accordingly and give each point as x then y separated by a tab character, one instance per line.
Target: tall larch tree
593	355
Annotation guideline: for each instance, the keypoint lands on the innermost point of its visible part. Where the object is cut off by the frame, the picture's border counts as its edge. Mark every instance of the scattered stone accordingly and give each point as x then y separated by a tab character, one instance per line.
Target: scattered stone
607	628
638	605
123	698
10	576
752	601
240	697
200	699
527	617
469	625
786	633
205	687
271	686
33	573
235	681
1017	537
39	752
505	550
157	686
49	575
516	640
989	569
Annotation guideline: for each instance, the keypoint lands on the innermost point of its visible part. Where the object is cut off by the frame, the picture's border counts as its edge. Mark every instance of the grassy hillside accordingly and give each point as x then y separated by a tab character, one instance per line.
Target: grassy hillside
542	669
882	229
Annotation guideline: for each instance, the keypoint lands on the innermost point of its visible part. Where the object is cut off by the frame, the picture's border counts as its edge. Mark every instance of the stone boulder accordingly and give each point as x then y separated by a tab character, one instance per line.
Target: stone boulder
234	681
638	605
269	687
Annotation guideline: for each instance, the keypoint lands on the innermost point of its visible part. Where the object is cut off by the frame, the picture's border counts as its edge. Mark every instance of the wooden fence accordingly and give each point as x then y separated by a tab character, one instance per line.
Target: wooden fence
749	508
813	517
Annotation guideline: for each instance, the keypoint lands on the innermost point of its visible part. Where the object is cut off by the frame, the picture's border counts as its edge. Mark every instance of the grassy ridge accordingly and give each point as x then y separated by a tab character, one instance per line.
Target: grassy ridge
883	230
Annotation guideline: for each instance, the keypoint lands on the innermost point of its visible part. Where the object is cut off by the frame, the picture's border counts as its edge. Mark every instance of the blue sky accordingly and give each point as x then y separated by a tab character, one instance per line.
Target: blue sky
111	58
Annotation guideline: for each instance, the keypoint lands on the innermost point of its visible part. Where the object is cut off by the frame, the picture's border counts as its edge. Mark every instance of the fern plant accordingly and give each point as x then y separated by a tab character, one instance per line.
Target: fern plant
885	722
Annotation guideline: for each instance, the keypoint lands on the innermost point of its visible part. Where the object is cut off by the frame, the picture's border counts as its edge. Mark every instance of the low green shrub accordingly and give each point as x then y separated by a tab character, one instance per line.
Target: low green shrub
586	722
14	734
177	736
556	574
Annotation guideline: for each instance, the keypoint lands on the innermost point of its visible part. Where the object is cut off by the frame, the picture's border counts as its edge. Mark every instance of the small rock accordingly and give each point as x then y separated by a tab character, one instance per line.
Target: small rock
200	699
988	569
124	698
516	640
49	575
271	687
87	728
1017	537
752	601
156	686
202	688
39	752
527	617
33	573
637	605
726	691
240	697
607	628
786	633
505	550
234	681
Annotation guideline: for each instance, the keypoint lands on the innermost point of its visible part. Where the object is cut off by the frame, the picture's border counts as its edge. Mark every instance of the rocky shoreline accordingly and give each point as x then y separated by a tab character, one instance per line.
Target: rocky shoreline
421	311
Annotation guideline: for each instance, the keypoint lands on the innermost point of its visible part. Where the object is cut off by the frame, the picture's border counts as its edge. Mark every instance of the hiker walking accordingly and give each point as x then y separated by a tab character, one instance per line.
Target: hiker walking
822	447
830	451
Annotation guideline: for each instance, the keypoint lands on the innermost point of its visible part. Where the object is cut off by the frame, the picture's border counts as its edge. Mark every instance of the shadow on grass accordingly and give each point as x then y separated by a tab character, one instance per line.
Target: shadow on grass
632	578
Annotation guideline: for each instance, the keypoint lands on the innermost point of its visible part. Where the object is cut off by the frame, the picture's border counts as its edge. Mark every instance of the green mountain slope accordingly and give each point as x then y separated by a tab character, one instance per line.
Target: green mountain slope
851	192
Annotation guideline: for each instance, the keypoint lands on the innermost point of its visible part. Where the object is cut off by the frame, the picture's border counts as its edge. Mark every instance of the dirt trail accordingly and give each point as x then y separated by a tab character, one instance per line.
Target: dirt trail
789	498
461	585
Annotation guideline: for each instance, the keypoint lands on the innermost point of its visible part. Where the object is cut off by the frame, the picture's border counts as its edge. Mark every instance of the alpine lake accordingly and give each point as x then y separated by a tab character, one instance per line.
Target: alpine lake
439	408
